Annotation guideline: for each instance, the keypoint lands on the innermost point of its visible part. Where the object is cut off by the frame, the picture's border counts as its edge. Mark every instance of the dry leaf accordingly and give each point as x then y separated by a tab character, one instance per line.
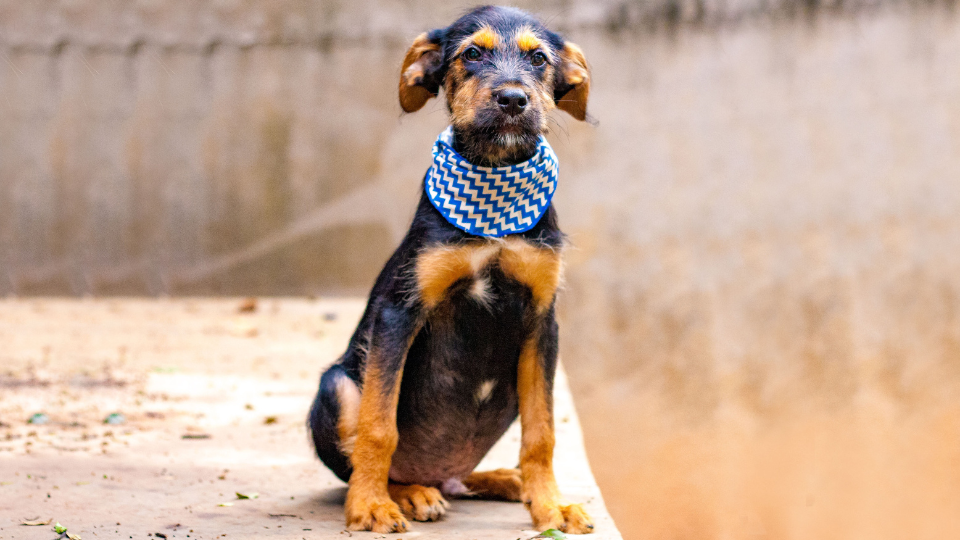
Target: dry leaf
35	522
248	305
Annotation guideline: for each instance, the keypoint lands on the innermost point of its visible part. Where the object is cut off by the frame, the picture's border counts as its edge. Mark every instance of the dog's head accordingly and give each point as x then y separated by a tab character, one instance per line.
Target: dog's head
502	72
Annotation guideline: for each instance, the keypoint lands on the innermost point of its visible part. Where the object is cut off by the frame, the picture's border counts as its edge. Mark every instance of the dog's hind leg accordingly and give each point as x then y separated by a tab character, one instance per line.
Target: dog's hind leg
420	503
333	420
501	484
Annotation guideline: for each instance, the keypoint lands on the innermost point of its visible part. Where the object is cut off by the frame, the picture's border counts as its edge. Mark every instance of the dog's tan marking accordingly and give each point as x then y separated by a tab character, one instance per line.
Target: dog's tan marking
537	439
577	74
527	40
538	268
439	268
348	396
368	505
500	484
417	502
485	37
465	96
422	55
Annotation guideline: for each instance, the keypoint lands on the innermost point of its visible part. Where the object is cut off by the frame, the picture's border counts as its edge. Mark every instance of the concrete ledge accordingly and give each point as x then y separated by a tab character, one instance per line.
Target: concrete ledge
214	402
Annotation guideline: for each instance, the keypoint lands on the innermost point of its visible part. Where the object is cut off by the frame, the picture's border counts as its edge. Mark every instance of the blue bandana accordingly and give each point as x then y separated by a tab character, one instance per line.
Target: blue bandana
491	201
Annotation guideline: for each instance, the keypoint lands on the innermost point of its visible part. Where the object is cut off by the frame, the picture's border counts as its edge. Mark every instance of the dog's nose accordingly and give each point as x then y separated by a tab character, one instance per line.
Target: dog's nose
512	101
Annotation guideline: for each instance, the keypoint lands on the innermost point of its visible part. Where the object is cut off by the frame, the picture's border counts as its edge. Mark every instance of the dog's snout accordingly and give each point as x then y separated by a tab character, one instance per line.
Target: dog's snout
512	100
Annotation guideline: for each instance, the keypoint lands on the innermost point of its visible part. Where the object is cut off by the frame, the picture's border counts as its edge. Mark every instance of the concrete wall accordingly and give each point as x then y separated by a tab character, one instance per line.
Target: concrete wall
765	224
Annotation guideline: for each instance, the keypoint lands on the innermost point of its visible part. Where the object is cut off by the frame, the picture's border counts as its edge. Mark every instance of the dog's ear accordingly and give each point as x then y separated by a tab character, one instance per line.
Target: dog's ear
572	82
420	76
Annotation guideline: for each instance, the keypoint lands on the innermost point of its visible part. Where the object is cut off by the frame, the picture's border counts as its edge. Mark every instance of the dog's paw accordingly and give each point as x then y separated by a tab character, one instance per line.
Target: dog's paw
576	520
502	484
382	516
419	503
570	518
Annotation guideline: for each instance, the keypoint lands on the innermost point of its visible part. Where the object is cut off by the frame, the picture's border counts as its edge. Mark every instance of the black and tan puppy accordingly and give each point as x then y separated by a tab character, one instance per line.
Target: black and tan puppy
459	335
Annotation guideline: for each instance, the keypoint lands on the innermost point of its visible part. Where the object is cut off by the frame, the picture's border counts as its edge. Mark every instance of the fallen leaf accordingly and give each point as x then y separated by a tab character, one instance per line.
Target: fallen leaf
59	529
553	534
270	420
35	522
225	504
164	369
248	305
195	436
72	536
243	496
38	419
115	419
160	535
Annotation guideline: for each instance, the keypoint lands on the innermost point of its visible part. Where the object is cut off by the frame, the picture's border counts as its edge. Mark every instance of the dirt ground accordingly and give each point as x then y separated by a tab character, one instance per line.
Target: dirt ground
213	404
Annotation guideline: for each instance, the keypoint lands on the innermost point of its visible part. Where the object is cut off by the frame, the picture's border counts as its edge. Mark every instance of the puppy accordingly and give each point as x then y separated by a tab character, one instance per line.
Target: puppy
459	335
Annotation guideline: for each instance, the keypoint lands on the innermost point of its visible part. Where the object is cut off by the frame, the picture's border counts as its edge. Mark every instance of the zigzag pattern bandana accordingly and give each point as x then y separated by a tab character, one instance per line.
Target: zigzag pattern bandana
491	201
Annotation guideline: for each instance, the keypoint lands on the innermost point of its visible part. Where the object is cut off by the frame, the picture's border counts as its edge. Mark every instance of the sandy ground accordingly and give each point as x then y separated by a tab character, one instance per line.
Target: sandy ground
214	403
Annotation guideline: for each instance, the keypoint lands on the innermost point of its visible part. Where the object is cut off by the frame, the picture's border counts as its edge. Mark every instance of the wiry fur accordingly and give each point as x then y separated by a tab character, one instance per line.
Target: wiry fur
459	334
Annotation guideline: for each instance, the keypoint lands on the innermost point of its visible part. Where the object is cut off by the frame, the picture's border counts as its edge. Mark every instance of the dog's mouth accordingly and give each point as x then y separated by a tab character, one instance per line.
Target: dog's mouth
493	137
509	131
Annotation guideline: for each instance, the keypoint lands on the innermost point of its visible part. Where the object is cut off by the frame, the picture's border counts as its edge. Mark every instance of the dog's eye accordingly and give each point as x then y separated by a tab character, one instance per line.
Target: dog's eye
538	59
472	54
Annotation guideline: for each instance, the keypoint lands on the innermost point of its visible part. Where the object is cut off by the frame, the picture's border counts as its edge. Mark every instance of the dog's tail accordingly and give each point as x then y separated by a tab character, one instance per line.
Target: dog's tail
333	420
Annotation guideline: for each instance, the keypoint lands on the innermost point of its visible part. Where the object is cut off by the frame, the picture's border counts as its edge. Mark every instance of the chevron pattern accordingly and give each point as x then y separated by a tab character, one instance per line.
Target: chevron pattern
491	201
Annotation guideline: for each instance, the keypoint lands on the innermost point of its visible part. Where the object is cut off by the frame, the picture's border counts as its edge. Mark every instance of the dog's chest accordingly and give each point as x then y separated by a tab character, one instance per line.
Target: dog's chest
470	269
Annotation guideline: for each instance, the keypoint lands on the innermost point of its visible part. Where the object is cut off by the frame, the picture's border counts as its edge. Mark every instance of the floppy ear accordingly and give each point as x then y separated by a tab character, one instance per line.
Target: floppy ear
420	75
572	82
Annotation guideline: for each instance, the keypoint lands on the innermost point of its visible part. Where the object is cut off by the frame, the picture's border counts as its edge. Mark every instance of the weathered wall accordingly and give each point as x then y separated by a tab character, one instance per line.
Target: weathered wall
763	289
763	299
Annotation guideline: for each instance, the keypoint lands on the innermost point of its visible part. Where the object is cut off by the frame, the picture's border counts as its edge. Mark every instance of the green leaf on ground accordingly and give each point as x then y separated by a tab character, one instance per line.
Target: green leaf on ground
225	504
164	369
59	529
115	419
38	418
552	534
243	496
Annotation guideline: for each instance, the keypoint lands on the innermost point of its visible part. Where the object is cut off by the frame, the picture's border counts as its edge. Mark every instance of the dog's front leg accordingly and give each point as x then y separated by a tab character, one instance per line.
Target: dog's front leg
368	506
538	362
